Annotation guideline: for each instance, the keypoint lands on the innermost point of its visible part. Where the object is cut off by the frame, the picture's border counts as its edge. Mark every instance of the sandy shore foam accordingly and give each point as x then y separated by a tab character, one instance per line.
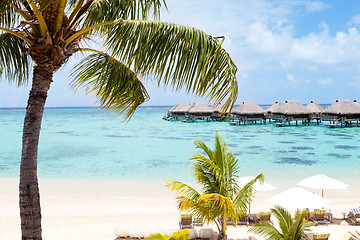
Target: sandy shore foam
91	208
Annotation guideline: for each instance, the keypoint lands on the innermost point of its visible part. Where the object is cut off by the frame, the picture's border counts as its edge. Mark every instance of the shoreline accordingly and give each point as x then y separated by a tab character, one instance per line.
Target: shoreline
91	209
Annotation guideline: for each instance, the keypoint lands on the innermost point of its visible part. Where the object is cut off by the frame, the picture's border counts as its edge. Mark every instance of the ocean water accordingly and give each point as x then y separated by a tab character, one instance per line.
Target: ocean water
90	142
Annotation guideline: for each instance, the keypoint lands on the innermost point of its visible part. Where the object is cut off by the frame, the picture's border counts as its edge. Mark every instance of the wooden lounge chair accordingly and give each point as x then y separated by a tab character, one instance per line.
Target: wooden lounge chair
265	217
321	236
242	219
318	217
231	221
354	219
198	222
186	221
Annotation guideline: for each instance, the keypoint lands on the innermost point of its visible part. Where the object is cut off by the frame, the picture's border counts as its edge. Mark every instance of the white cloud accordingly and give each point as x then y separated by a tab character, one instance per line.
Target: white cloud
315	47
315	6
325	81
290	78
267	41
355	21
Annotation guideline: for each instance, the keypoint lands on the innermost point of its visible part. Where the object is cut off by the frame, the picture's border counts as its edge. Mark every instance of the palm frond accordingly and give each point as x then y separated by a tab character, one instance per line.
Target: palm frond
14	63
112	10
9	18
284	218
183	189
267	230
179	57
157	236
112	82
222	204
245	195
300	226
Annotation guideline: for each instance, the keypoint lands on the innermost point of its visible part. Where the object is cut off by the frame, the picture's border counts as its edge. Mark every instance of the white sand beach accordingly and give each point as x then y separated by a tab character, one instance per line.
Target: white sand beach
91	208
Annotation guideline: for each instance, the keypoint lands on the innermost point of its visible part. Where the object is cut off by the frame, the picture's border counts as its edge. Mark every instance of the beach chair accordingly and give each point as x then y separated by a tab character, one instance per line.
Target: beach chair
186	221
242	219
231	221
354	219
198	222
318	217
354	216
321	236
264	217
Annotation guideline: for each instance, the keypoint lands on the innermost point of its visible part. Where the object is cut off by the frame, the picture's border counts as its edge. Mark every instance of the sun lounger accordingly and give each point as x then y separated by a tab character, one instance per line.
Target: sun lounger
355	219
321	236
318	217
242	219
265	217
198	222
186	221
354	216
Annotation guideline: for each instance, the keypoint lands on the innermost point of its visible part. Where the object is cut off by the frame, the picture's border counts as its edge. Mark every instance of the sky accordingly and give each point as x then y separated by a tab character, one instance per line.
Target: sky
284	50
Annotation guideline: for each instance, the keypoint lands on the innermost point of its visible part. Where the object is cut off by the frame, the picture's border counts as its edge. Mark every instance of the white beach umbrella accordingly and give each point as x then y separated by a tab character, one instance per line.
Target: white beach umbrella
258	187
322	182
298	198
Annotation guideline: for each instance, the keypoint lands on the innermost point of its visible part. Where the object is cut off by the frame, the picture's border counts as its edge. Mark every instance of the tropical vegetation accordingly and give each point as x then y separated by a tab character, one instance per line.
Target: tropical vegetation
182	235
290	228
40	36
221	198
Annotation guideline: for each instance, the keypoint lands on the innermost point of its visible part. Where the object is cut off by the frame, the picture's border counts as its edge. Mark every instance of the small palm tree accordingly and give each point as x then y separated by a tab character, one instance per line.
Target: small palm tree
44	34
221	198
290	228
182	235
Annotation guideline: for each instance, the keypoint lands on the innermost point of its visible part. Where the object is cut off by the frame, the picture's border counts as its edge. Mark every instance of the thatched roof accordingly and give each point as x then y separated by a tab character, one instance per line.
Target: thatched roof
181	107
292	107
274	106
343	107
200	107
218	108
249	108
314	107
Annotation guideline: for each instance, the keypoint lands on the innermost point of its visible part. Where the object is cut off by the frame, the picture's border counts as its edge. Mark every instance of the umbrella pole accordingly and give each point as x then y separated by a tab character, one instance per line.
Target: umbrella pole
322	192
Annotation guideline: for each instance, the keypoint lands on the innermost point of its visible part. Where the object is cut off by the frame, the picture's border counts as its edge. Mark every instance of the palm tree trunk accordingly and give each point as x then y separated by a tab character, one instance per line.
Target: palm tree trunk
29	197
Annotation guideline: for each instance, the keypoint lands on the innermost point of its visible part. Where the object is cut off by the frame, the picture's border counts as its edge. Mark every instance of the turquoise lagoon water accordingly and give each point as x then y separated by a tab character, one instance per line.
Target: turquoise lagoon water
90	142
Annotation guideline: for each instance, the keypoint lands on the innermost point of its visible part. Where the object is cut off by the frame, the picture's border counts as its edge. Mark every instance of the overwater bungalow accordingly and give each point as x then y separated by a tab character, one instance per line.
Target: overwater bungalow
199	110
270	109
342	112
217	112
249	112
316	110
178	111
291	111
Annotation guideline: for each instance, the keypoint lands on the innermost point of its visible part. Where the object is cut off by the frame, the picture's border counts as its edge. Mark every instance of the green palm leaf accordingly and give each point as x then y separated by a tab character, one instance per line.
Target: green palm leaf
183	189
267	230
245	195
112	10
179	57
8	17
14	63
290	228
112	82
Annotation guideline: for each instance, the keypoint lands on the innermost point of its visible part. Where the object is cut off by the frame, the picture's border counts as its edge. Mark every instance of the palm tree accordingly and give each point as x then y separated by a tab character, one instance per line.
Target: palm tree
182	235
46	33
221	198
290	228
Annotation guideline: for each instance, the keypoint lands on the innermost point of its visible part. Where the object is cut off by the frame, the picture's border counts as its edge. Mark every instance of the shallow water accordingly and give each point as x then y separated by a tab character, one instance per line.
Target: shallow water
87	142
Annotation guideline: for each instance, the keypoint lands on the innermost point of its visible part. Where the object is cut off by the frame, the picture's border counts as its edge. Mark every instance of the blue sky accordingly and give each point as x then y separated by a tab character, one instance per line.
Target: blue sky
285	50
